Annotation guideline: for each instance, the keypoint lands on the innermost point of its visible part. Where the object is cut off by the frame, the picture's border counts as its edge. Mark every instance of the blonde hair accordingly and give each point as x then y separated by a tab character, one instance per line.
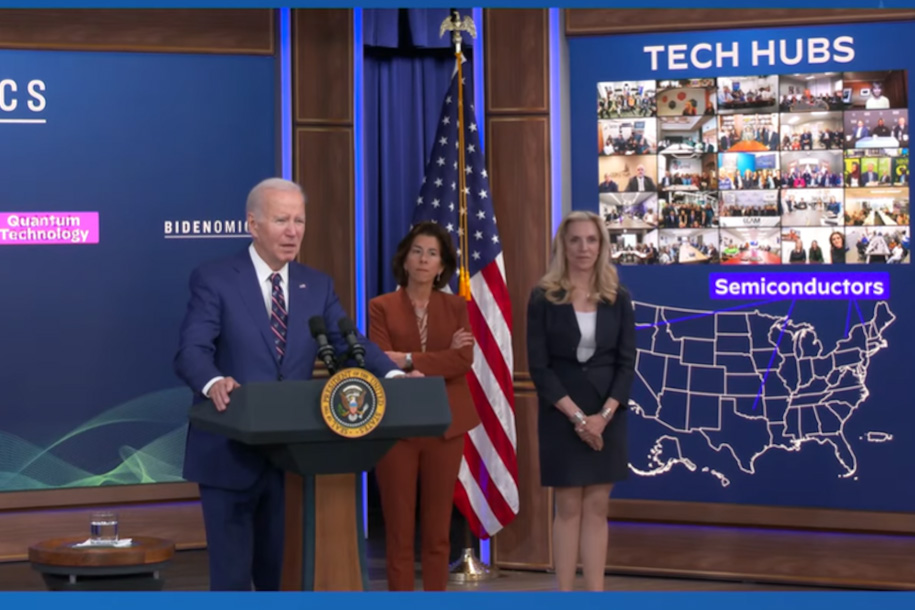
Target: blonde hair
605	281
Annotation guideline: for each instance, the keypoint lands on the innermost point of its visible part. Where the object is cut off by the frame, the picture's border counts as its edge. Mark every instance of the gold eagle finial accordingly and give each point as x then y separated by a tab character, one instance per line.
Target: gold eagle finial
457	24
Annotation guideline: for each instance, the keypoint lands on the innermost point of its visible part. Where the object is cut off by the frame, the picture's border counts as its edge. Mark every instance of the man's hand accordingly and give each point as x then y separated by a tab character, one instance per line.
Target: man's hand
219	392
415	373
399	358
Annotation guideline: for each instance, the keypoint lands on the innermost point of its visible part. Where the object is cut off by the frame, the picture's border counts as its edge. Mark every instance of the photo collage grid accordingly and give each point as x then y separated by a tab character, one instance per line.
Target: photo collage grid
757	170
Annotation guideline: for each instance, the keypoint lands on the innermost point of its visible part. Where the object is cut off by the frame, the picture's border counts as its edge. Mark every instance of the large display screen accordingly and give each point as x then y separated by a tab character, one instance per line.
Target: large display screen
756	170
121	173
755	185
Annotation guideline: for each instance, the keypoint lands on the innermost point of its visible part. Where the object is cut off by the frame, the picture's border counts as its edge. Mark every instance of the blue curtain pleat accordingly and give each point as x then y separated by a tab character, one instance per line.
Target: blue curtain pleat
407	70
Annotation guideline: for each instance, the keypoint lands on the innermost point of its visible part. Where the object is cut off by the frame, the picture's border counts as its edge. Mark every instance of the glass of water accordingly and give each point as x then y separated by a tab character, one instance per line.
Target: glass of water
103	527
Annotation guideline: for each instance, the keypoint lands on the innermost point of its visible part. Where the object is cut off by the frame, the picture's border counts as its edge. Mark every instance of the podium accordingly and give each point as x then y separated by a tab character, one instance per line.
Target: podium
324	544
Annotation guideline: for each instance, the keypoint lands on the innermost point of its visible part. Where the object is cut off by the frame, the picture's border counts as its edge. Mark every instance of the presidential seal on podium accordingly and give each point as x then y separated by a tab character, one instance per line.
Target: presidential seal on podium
353	402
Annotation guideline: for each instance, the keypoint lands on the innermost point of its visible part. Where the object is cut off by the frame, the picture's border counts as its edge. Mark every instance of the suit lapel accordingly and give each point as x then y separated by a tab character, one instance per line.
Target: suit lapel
251	294
604	315
296	334
436	333
603	322
567	323
570	320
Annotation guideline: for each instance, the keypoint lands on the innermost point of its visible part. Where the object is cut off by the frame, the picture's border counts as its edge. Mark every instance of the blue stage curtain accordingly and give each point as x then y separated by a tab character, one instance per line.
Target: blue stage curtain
407	70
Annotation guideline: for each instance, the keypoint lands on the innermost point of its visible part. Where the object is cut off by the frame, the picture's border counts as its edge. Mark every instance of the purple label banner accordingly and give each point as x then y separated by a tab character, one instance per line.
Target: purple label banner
47	228
866	285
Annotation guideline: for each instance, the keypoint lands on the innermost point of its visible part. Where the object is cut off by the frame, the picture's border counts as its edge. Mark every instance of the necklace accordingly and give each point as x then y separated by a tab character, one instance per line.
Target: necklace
422	321
589	296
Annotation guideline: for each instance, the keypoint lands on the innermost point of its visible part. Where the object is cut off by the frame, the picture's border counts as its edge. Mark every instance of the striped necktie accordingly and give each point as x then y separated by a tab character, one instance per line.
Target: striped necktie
278	315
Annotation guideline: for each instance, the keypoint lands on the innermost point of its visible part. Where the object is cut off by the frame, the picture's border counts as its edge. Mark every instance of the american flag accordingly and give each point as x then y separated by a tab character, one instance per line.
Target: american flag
487	490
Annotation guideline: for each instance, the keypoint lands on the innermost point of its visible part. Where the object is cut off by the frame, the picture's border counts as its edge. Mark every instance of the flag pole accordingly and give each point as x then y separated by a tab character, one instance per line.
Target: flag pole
468	569
456	26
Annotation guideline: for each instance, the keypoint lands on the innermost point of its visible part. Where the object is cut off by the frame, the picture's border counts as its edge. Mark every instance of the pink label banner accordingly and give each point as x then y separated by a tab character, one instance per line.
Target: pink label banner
46	228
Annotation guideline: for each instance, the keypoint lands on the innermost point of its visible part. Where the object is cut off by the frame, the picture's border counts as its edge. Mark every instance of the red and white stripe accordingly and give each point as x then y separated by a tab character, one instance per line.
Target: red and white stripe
487	490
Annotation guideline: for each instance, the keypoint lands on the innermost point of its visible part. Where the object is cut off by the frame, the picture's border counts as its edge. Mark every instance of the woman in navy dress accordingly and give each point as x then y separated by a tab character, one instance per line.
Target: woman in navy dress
581	356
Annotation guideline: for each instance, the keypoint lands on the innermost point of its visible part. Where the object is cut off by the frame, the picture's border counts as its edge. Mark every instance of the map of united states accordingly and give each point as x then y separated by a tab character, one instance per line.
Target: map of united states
748	383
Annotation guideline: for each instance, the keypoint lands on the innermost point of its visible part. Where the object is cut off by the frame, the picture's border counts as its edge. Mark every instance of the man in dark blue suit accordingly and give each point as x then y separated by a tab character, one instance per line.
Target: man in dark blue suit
247	321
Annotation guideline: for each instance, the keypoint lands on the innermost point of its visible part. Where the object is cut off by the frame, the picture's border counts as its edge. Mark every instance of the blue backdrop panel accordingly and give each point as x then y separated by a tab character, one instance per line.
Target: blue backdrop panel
165	149
793	402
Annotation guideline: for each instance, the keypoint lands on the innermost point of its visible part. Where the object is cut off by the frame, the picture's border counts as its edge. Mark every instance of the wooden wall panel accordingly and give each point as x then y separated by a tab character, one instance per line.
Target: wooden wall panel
323	66
293	532
591	22
323	160
722	553
527	542
181	522
519	158
243	31
518	153
323	164
702	513
324	168
86	496
517	65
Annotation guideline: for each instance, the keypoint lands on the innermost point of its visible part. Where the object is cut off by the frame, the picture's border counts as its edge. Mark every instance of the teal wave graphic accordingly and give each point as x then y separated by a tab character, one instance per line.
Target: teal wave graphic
139	441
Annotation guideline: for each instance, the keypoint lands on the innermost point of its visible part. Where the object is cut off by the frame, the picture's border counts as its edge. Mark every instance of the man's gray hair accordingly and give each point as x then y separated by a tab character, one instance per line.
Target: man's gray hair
256	197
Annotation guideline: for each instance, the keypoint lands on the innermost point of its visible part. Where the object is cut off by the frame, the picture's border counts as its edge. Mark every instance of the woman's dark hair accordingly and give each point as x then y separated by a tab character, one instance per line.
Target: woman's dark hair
446	252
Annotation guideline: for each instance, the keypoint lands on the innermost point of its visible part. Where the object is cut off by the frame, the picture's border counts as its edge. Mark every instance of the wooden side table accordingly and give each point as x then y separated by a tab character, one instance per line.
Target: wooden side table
137	567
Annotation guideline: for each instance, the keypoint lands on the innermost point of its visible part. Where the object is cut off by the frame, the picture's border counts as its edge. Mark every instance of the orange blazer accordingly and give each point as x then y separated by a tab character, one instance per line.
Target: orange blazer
392	327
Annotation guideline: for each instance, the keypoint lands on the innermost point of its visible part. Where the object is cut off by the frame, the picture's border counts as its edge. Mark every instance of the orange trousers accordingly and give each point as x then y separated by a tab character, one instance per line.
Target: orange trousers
434	464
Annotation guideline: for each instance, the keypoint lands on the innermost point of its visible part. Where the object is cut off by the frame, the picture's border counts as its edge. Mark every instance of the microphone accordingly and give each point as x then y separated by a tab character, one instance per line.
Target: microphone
325	349
349	333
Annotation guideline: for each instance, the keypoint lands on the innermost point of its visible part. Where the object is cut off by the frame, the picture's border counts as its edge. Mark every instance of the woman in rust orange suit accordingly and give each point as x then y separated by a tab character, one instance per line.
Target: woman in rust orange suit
422	328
